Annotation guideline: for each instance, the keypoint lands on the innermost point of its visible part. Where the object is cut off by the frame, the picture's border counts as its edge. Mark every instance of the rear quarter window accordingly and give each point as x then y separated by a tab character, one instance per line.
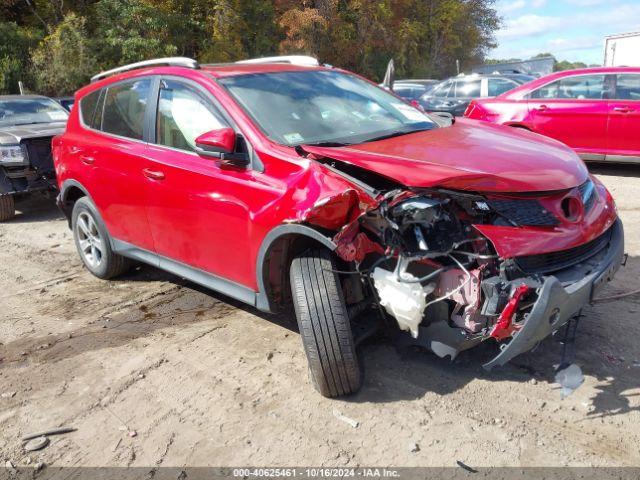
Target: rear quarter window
88	105
628	87
124	108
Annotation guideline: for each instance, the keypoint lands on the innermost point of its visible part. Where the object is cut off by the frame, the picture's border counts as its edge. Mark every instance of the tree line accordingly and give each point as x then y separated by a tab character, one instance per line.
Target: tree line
54	46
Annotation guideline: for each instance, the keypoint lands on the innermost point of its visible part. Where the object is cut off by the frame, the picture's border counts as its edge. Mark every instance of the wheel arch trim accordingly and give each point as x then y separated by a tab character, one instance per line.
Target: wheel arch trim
263	302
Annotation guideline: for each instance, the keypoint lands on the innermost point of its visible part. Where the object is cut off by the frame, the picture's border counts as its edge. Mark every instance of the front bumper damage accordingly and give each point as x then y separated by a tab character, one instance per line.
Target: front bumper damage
562	296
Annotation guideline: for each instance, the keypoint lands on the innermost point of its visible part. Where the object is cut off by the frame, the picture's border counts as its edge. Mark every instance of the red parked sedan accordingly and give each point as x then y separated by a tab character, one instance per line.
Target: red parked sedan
595	111
309	187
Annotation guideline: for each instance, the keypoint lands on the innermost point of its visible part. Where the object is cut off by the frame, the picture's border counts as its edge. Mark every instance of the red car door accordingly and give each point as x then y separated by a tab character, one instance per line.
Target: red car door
199	212
624	118
113	155
573	110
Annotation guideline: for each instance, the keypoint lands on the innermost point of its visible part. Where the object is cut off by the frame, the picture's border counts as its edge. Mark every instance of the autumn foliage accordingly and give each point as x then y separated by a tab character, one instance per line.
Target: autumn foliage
56	45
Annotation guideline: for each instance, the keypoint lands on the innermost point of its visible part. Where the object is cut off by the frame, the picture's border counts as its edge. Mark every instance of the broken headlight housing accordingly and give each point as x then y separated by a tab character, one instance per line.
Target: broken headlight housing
12	154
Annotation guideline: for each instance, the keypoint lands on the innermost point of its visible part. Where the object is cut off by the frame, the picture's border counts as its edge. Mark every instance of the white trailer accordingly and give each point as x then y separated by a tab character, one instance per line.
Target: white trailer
622	50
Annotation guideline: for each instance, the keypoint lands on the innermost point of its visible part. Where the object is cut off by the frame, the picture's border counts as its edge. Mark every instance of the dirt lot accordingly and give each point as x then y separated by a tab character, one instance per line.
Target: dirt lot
203	380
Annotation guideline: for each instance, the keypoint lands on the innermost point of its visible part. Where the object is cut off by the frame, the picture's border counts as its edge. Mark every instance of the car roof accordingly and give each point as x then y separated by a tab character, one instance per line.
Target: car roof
579	71
235	69
410	85
22	97
223	70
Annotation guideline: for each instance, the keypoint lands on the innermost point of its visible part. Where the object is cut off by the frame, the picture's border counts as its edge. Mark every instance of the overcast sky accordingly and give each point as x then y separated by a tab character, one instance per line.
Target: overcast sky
570	29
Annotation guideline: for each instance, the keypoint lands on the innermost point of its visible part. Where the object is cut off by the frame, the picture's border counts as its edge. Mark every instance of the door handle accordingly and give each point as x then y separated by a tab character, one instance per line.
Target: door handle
623	109
87	160
153	174
542	108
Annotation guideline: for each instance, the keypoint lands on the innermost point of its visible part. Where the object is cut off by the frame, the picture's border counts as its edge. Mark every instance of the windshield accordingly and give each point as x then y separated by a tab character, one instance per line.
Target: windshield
323	107
26	111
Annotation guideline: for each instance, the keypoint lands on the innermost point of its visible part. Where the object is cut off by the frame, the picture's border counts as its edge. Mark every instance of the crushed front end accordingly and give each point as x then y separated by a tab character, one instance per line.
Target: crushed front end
457	268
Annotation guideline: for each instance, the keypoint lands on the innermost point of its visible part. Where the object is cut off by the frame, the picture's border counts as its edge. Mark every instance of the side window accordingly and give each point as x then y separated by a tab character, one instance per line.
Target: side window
628	87
88	105
580	87
443	90
468	89
404	92
498	86
124	108
183	115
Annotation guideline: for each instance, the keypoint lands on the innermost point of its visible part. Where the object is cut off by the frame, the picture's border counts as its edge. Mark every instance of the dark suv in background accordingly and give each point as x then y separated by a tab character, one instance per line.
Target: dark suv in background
27	125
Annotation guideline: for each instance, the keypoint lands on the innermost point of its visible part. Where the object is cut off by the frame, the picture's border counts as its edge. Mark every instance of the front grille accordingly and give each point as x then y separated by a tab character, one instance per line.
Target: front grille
524	212
39	151
554	261
588	194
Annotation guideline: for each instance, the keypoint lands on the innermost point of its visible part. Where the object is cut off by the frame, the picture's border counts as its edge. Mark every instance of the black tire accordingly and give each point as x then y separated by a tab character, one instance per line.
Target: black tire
324	324
7	207
110	264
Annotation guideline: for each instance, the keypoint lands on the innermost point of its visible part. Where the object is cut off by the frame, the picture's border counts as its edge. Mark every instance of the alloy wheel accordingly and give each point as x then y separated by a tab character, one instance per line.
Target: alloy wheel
90	240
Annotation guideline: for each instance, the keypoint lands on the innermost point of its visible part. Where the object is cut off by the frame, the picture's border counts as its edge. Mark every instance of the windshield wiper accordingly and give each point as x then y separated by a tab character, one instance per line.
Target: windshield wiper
397	133
328	144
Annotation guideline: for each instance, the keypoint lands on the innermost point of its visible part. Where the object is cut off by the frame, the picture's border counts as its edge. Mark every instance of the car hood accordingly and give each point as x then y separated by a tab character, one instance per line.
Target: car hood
11	135
468	156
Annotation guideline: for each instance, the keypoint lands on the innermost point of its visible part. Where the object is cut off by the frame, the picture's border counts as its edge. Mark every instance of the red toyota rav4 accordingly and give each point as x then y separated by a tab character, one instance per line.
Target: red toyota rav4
596	111
279	184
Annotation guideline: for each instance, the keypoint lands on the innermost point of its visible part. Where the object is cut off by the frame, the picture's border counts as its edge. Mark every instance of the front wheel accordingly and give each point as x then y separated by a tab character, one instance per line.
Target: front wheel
7	207
324	324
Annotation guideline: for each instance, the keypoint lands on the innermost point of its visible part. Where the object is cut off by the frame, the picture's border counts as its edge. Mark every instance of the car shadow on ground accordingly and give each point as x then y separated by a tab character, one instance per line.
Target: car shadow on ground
37	207
396	373
605	350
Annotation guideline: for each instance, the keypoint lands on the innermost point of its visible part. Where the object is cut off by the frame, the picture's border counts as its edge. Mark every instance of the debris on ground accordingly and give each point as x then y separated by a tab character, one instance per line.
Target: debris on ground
414	447
39	466
36	444
570	379
8	395
46	433
466	467
9	465
133	433
346	419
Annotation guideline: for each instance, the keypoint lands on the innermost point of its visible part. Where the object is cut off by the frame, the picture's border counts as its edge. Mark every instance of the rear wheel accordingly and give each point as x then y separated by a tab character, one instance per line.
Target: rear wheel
7	207
93	243
324	324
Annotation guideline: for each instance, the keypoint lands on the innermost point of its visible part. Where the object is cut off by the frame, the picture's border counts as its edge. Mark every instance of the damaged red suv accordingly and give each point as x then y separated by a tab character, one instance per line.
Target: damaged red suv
280	184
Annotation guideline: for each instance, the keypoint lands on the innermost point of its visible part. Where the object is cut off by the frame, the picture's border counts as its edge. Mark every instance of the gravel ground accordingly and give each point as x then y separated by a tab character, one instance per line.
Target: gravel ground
205	381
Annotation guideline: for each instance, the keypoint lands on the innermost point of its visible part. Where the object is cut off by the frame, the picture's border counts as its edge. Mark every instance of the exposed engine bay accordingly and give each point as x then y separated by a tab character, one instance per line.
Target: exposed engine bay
433	255
422	255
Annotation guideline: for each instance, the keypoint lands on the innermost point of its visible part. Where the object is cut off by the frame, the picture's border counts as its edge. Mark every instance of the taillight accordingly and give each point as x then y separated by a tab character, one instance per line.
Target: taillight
475	111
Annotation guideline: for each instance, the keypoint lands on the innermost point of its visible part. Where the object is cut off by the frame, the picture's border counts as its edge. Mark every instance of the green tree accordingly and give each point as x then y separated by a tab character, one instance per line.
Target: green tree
64	60
129	31
15	43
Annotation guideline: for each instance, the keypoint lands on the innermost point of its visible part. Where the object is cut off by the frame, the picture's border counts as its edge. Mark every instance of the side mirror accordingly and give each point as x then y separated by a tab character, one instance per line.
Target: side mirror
220	144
